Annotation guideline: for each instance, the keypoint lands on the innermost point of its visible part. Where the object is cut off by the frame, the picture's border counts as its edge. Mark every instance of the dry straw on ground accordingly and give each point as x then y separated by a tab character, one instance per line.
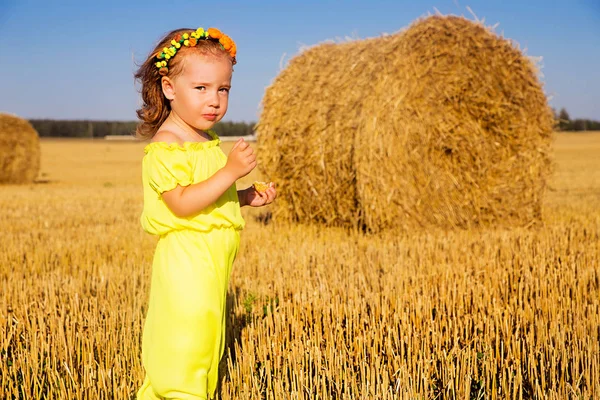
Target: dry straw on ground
314	313
444	124
19	150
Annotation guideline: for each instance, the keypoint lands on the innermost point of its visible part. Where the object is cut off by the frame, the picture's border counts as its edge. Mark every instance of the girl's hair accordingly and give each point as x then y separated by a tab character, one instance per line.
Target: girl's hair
156	107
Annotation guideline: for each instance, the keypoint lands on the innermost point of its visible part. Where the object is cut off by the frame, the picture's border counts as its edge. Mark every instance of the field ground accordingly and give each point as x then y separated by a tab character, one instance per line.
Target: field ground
314	313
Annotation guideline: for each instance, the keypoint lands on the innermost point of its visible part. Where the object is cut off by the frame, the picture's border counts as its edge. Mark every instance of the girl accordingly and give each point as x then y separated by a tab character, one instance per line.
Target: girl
191	202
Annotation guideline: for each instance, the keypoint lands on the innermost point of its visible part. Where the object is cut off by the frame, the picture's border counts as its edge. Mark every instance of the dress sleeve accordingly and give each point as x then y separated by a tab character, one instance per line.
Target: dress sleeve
167	167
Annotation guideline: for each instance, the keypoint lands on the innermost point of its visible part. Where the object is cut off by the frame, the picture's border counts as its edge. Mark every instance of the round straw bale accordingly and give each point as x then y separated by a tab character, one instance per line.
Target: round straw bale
19	151
444	124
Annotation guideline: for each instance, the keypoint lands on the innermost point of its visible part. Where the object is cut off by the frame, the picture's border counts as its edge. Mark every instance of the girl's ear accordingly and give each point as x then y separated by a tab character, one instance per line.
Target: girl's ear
167	88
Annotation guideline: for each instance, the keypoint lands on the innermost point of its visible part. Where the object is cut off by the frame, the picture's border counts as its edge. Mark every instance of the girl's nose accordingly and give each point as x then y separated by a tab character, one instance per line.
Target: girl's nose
214	100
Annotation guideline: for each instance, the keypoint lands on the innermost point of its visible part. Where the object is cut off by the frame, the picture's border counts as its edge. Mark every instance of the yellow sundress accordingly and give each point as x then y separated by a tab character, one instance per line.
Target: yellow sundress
184	332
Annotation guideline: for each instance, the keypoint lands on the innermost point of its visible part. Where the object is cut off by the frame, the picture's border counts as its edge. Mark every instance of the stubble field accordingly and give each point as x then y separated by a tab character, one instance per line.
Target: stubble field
314	313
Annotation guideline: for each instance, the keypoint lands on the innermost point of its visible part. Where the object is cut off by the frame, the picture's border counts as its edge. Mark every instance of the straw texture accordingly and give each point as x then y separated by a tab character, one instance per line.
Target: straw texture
444	124
19	151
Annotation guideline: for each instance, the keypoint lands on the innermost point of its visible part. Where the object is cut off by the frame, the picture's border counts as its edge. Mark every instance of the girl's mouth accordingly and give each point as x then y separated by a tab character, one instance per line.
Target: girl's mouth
210	117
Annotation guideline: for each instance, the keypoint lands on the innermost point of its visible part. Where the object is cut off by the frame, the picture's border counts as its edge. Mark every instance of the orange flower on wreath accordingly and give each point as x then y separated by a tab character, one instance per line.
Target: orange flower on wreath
177	37
193	41
233	49
226	42
214	33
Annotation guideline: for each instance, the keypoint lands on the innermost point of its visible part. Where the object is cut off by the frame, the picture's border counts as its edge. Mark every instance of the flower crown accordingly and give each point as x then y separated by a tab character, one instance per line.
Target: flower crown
190	39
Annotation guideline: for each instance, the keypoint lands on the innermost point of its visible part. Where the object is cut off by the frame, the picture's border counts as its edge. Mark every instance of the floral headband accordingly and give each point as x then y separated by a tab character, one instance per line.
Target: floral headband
190	39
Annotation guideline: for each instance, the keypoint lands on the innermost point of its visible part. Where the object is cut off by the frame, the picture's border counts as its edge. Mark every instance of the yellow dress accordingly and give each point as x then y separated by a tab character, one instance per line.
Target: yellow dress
184	332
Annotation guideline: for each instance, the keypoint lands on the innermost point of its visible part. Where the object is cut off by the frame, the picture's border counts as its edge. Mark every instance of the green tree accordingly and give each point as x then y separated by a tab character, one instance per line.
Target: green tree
564	121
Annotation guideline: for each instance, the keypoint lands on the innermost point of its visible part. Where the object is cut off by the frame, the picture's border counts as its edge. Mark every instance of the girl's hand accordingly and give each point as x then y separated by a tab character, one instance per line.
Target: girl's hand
241	159
254	198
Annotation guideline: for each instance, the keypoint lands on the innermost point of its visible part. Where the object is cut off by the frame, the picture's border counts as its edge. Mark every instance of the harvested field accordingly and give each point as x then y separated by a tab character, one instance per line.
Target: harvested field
315	313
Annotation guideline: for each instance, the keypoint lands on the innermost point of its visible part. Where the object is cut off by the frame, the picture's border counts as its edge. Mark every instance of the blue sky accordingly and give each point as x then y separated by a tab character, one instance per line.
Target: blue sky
75	59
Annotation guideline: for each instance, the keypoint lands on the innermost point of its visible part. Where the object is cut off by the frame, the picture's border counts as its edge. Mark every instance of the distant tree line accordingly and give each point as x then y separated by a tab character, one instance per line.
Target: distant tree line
100	129
565	123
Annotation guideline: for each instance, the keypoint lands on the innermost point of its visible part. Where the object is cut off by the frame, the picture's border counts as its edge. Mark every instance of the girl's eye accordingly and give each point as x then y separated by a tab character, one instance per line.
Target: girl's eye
224	90
201	87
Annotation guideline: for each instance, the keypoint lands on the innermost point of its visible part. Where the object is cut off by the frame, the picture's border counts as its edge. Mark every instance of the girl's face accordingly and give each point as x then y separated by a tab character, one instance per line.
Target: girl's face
200	93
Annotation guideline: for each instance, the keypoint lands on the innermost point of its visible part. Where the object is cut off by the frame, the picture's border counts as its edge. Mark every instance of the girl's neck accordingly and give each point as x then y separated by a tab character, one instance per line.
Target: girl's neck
186	132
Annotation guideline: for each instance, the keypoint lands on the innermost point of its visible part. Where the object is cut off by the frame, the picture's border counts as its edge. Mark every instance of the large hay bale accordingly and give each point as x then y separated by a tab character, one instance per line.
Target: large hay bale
444	124
19	150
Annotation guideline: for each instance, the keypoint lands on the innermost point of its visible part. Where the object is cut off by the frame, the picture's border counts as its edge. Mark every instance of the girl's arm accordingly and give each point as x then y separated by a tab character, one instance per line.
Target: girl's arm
185	201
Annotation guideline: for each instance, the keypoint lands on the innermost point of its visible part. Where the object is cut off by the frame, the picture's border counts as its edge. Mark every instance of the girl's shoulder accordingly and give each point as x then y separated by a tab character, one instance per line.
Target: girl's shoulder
167	137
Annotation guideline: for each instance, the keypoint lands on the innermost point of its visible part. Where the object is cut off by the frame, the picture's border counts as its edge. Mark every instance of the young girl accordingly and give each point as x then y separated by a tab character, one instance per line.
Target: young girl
191	202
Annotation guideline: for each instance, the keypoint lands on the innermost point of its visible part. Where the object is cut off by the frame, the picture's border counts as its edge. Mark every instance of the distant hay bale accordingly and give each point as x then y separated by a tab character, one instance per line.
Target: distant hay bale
19	150
442	125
